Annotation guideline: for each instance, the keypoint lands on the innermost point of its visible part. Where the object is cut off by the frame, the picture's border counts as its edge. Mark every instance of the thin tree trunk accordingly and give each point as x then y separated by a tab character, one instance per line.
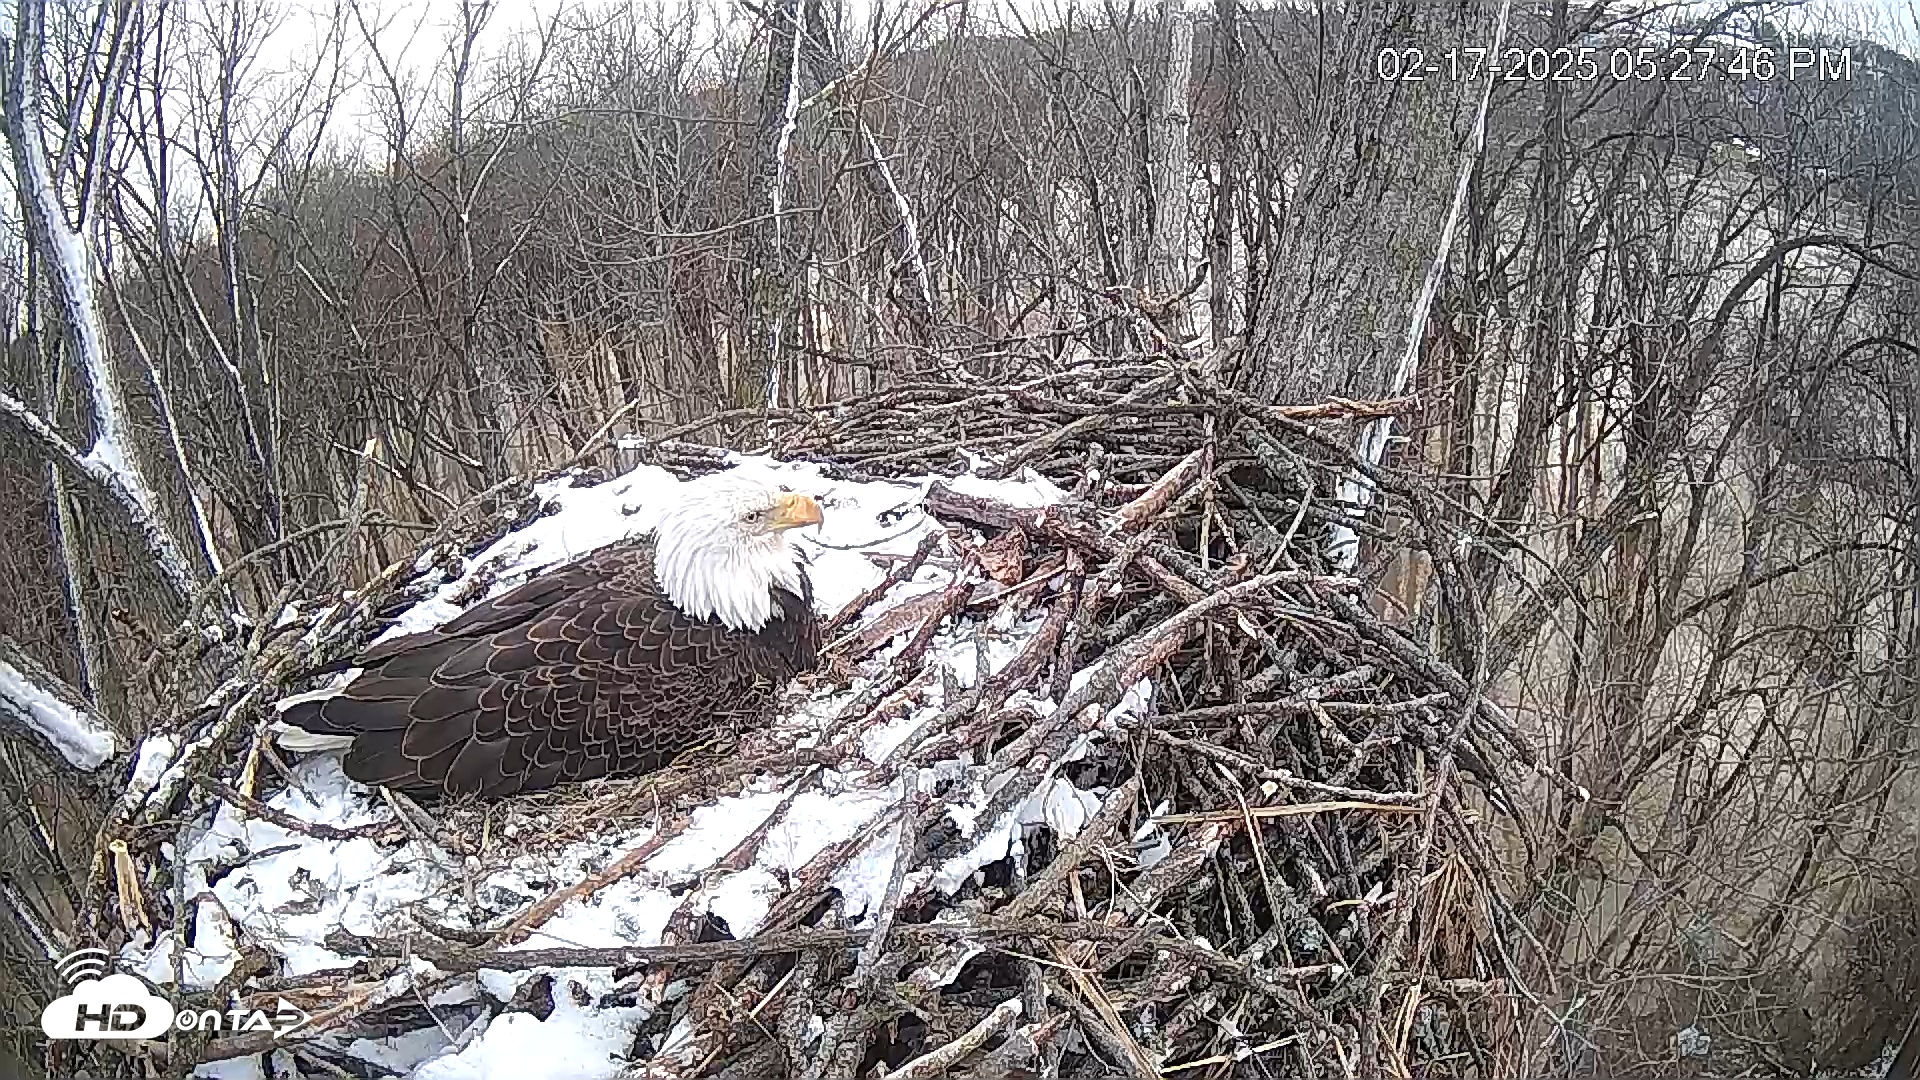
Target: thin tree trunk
1171	163
1221	285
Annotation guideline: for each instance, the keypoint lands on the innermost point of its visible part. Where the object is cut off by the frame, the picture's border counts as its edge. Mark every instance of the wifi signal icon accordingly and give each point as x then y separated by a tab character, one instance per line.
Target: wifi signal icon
82	965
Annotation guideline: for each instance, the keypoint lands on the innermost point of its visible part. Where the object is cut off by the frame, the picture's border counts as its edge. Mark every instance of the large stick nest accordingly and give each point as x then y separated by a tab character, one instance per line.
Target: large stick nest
1289	873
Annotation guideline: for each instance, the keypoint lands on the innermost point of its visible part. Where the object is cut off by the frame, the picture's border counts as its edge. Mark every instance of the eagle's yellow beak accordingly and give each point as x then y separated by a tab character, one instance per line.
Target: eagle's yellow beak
793	511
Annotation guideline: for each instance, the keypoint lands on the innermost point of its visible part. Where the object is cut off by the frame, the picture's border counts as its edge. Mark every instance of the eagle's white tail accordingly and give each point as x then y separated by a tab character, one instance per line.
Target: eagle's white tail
301	741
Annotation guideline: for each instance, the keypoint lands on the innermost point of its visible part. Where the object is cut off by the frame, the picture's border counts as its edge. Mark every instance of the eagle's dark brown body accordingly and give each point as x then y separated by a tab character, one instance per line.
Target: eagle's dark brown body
585	671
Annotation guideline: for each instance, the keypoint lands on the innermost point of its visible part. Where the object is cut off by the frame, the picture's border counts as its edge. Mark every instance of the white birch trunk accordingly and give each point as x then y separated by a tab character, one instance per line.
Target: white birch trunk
789	124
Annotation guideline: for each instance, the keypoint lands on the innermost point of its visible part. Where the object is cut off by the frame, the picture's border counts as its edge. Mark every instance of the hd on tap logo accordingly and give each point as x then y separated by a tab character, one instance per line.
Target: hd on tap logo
100	1005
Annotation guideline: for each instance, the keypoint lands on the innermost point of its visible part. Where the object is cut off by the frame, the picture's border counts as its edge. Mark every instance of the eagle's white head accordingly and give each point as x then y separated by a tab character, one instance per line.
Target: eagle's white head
722	548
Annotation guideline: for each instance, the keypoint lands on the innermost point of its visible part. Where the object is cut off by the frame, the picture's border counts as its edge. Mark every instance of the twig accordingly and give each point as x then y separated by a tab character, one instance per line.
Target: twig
1288	810
285	820
901	572
1282	776
937	1062
527	921
1102	825
454	958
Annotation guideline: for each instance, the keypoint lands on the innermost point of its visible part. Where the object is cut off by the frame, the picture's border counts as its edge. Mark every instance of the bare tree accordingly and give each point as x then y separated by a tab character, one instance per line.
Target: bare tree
112	462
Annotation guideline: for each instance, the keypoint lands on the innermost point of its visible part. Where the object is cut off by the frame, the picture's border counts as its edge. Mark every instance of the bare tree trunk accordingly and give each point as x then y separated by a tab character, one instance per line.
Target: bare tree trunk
1223	288
765	288
1357	489
75	579
481	380
113	461
917	300
1170	165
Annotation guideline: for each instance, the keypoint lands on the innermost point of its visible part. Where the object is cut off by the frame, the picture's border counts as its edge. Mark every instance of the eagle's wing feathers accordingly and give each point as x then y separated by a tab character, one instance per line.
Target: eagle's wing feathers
511	608
584	672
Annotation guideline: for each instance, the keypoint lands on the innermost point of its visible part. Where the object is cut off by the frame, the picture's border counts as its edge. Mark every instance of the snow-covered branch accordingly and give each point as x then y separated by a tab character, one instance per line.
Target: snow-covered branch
37	706
69	273
101	471
909	229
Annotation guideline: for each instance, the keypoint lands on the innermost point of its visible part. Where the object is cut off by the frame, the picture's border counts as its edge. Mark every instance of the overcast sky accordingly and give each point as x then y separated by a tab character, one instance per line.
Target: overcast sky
415	34
417	31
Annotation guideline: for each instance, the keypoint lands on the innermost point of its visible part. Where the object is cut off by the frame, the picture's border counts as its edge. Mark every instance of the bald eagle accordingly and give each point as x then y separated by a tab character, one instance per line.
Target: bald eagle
608	665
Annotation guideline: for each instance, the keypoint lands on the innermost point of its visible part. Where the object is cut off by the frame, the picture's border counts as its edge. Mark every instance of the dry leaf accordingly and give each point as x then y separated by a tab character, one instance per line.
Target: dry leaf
1005	557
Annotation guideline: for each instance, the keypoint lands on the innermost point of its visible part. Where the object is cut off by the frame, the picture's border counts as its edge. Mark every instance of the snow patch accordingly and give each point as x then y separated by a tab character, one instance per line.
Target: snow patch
401	1053
156	753
1058	804
574	1042
1029	490
231	1069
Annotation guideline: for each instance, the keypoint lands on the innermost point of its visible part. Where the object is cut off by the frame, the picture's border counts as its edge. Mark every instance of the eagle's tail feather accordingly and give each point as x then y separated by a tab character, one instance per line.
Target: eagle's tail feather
299	740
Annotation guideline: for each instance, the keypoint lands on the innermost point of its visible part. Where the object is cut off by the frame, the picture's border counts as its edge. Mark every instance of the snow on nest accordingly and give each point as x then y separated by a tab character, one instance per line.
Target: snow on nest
284	891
